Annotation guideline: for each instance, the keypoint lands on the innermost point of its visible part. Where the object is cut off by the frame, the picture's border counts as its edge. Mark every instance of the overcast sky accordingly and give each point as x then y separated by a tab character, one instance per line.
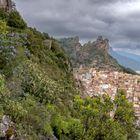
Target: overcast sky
117	20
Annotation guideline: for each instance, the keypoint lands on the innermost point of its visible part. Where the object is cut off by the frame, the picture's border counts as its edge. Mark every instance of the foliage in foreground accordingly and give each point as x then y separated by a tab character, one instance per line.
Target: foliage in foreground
38	93
89	118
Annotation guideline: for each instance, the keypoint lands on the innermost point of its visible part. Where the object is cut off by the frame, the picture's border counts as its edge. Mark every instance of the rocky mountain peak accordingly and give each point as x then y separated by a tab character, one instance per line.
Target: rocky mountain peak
92	54
102	44
76	38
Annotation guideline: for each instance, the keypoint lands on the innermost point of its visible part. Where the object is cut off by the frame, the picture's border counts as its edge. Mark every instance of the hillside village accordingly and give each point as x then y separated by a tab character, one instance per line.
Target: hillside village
98	82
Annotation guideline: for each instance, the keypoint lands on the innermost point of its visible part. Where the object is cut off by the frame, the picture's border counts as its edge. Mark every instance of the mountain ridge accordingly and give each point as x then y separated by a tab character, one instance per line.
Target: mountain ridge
91	54
125	60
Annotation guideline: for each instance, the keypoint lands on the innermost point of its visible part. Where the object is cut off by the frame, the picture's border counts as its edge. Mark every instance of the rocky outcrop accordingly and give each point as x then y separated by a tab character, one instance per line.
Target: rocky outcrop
72	46
7	130
102	44
91	54
6	5
47	43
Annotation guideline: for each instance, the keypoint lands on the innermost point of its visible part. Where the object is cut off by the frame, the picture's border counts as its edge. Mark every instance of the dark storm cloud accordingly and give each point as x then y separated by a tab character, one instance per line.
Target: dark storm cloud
117	20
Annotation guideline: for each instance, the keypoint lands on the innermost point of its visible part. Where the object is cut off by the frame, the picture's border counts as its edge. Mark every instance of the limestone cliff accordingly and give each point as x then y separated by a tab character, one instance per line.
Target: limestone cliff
72	47
6	5
91	54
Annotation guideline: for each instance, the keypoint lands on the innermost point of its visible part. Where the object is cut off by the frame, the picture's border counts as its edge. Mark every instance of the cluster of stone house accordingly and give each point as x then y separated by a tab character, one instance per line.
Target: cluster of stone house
96	82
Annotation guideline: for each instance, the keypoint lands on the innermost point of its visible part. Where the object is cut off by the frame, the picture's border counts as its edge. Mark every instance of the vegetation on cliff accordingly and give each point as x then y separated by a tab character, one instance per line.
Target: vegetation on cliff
39	95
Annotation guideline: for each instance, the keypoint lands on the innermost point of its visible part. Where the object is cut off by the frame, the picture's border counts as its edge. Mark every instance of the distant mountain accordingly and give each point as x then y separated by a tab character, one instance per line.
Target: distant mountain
129	55
91	54
126	59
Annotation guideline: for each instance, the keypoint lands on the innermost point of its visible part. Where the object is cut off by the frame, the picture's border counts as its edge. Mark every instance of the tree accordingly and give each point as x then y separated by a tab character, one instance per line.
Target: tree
99	124
124	114
16	21
3	15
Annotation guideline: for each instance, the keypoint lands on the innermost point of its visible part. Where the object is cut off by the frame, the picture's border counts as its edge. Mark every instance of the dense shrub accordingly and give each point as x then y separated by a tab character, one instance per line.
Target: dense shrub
3	15
16	21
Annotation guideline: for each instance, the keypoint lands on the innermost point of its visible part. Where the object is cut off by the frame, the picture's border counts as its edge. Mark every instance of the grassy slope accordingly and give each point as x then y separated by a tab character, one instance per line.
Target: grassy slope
38	78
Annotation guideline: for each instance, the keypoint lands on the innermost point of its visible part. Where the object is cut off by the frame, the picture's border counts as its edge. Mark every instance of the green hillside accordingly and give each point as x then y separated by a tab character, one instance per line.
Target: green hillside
39	99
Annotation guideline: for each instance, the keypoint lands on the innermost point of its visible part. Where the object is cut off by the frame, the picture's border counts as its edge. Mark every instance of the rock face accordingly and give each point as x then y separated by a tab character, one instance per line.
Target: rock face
92	54
47	43
72	47
7	5
102	44
7	128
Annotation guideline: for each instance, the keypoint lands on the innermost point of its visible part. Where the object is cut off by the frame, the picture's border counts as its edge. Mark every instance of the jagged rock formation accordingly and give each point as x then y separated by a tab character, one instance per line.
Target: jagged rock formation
91	54
7	5
101	43
72	47
96	54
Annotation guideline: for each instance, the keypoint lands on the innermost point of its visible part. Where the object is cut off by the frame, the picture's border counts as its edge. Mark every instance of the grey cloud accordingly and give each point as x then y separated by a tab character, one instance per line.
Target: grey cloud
117	20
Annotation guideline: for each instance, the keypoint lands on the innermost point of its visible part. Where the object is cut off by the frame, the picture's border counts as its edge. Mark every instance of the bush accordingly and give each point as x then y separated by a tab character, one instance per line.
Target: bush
16	21
3	15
